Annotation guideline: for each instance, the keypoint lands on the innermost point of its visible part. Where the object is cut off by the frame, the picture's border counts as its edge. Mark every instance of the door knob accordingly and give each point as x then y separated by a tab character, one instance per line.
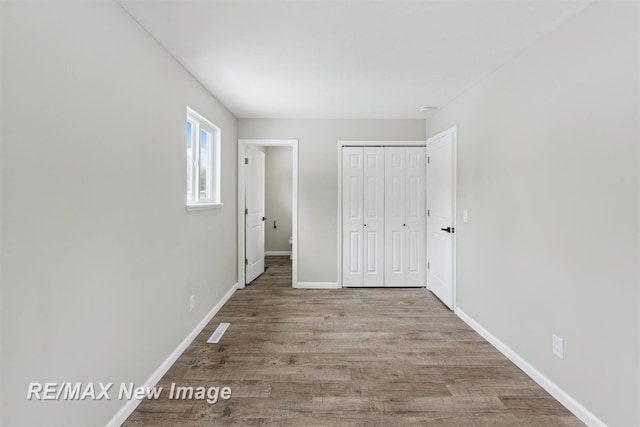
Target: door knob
448	229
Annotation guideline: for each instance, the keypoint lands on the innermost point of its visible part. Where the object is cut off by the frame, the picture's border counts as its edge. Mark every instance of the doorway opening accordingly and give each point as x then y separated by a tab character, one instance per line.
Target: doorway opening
254	220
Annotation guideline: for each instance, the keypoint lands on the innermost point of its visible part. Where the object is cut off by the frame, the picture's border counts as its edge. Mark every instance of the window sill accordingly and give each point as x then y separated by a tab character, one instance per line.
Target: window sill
203	206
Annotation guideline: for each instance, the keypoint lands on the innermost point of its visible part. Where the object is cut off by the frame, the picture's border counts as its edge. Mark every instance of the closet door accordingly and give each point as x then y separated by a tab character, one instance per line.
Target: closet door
415	218
405	206
373	208
363	216
395	201
352	216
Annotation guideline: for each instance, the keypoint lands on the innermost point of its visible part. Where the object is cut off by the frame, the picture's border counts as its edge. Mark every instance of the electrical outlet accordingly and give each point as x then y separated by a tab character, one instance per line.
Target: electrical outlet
192	302
557	346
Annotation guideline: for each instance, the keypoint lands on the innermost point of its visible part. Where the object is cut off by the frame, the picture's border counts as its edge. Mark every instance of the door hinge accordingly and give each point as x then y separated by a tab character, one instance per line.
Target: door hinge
246	161
428	159
246	261
427	212
427	265
246	211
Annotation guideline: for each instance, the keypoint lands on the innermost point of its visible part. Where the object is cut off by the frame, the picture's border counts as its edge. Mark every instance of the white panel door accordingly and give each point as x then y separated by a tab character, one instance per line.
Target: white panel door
441	220
255	187
395	225
373	209
415	216
363	216
352	216
405	208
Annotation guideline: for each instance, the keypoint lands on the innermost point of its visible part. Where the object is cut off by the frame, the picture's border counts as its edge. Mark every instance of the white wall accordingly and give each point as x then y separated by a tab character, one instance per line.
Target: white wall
549	170
279	170
318	178
99	255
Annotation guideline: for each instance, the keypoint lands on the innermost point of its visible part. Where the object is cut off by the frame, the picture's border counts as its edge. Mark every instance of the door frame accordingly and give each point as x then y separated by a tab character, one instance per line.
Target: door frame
360	143
242	144
454	217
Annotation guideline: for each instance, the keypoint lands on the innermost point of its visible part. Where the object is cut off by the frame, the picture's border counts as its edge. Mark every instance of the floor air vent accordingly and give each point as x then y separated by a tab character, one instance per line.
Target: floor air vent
217	334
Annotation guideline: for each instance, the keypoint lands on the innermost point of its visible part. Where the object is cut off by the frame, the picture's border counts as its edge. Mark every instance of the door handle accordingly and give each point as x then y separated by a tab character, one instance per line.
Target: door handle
264	218
449	229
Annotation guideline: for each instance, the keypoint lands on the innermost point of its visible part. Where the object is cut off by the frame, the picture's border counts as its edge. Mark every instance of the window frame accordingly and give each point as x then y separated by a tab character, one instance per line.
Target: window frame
213	200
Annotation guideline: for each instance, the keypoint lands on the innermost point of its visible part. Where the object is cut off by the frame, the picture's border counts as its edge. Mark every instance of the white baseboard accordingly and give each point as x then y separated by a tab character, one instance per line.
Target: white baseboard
552	388
277	253
317	285
132	404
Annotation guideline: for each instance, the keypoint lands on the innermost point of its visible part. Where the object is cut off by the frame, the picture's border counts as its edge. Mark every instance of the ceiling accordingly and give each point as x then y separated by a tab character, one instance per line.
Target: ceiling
344	59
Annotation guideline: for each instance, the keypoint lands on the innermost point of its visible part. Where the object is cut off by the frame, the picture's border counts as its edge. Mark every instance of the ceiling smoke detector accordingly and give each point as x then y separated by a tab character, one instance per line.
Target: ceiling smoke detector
427	108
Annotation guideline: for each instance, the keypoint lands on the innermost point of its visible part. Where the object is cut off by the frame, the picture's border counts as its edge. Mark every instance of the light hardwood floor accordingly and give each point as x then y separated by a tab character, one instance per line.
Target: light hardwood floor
347	357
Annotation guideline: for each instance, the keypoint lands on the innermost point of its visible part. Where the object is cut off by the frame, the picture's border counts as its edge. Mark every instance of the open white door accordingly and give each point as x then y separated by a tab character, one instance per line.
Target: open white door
441	150
255	218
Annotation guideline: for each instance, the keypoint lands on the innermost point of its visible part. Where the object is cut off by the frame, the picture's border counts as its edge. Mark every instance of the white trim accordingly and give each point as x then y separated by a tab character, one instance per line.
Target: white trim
293	143
203	206
339	239
358	143
214	174
130	406
559	394
454	197
200	117
317	285
277	253
342	143
269	142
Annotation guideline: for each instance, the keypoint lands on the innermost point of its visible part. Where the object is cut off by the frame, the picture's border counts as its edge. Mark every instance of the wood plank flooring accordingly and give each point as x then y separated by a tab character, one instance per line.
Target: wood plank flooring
347	357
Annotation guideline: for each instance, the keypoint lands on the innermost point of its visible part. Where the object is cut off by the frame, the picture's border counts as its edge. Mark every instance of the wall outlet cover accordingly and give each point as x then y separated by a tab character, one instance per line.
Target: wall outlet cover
557	346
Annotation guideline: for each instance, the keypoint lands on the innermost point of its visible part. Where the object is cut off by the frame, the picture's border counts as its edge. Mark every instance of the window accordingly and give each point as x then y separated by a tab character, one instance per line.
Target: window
203	162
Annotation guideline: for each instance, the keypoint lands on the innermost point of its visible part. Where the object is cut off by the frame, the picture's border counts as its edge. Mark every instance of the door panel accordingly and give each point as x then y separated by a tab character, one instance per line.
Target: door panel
355	184
355	265
352	219
373	216
441	203
255	214
413	257
405	202
363	200
415	216
395	204
372	264
397	246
